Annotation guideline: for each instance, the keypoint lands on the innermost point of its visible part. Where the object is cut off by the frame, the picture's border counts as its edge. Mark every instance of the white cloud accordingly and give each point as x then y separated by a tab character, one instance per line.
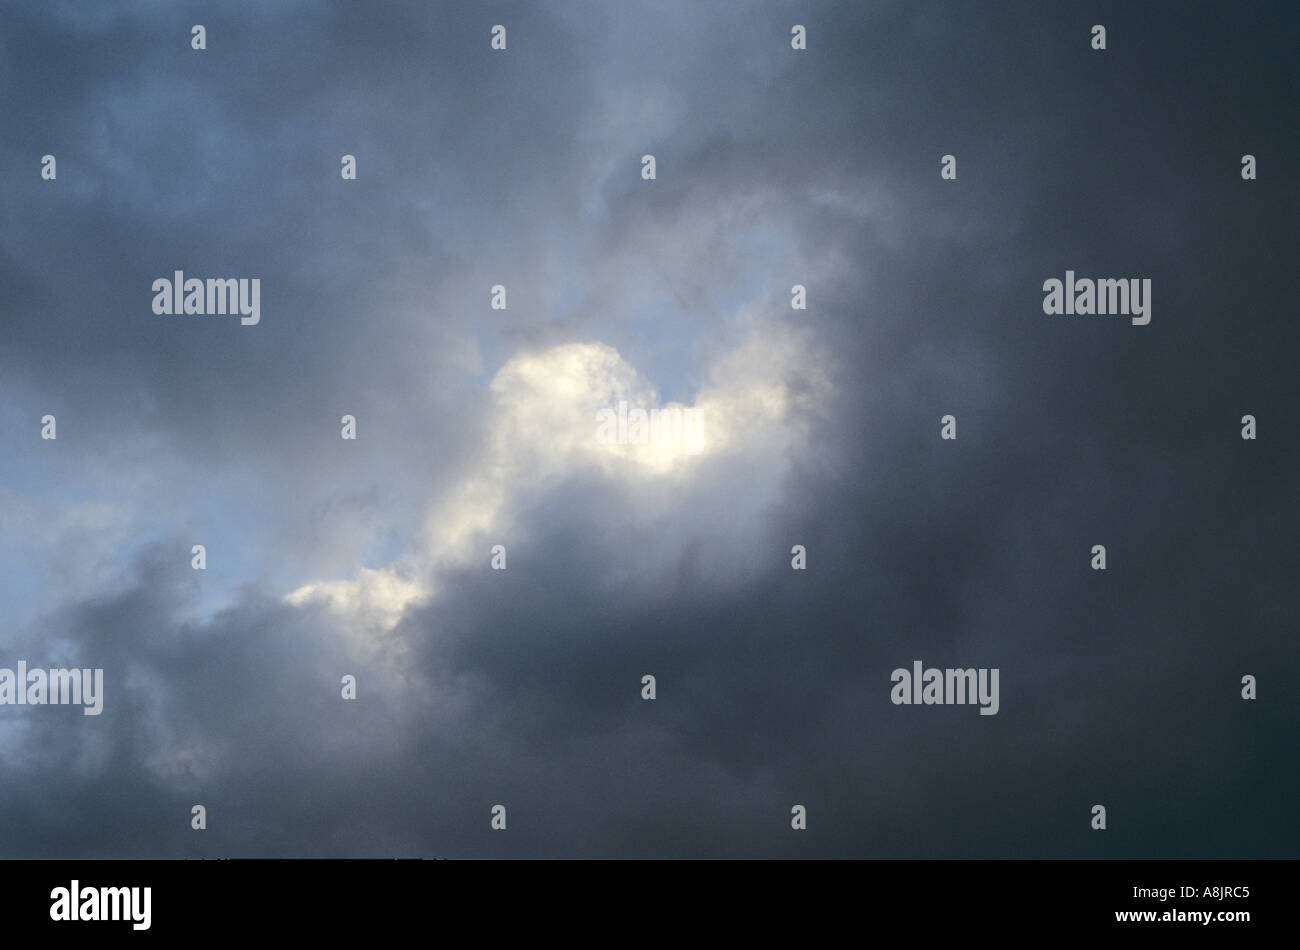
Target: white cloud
542	428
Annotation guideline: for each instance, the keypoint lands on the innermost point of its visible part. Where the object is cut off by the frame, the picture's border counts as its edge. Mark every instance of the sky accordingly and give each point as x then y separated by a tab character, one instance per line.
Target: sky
372	557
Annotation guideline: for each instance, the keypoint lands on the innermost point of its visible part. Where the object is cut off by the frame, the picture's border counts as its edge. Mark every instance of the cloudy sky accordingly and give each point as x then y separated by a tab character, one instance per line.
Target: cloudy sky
477	427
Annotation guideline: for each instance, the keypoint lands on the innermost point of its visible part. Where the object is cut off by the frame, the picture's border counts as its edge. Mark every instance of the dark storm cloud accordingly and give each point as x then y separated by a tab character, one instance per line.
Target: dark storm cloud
775	167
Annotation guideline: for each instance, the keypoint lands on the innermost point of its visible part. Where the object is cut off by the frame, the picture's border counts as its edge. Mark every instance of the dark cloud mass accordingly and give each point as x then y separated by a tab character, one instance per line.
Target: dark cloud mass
774	167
